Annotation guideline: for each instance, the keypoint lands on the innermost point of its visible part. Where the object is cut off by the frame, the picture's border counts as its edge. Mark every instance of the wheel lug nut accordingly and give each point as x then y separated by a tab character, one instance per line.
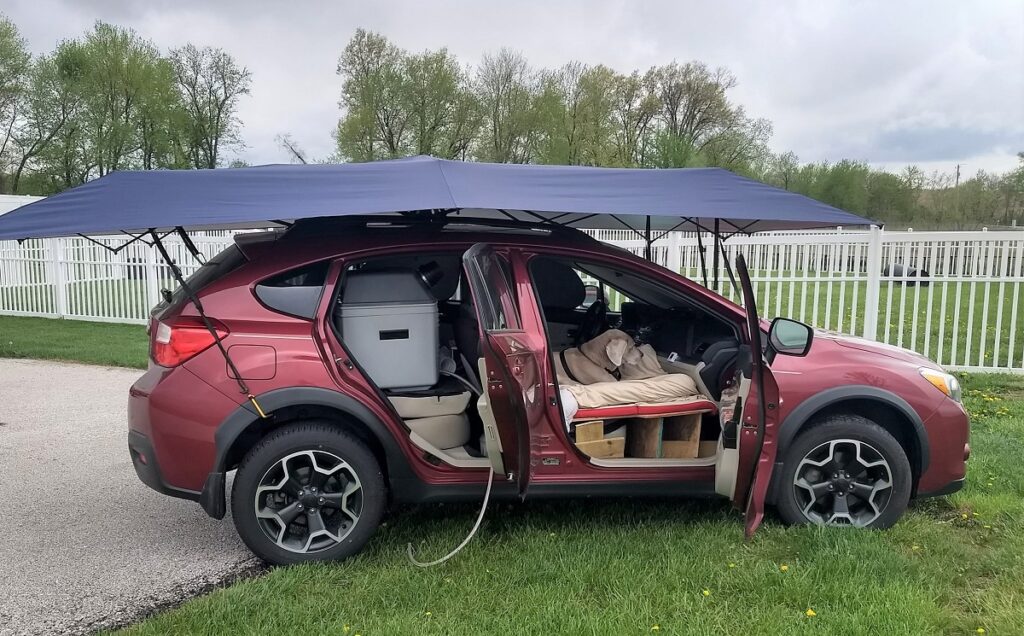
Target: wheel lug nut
831	487
321	499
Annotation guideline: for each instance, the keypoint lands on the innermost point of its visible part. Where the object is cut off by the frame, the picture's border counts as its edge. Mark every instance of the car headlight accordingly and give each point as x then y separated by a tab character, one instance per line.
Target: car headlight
944	382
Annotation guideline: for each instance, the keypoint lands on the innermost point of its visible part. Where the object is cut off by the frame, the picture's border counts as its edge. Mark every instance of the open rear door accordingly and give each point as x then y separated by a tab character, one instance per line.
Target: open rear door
759	419
509	369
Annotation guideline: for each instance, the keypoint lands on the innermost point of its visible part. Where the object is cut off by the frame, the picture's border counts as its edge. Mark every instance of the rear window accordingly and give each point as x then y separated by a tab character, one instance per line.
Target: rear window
220	265
295	292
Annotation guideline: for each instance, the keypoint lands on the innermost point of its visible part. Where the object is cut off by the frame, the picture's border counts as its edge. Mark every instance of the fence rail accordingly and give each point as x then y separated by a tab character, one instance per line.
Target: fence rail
954	297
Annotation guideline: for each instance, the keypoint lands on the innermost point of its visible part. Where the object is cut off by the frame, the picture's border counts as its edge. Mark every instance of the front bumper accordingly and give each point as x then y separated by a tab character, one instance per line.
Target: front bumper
148	470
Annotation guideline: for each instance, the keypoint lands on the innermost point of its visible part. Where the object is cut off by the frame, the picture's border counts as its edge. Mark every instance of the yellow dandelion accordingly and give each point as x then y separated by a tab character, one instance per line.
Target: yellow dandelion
784	568
707	592
980	630
655	628
428	613
345	628
732	565
810	613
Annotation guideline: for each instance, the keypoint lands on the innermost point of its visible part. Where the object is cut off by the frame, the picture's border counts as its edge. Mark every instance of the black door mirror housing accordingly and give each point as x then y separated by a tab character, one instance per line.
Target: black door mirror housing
790	337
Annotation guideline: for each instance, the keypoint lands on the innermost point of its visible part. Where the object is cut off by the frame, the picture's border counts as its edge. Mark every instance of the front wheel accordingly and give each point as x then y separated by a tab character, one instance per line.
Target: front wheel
308	492
846	471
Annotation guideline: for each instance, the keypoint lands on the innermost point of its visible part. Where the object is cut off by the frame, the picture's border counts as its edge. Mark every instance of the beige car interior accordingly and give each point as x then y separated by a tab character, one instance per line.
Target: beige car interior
675	418
628	405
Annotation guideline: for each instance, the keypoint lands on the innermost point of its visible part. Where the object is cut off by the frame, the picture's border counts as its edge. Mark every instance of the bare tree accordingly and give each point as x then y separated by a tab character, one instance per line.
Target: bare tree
507	90
211	83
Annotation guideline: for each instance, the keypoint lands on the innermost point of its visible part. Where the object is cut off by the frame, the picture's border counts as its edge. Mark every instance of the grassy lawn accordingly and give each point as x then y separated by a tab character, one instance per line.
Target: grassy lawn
952	566
74	340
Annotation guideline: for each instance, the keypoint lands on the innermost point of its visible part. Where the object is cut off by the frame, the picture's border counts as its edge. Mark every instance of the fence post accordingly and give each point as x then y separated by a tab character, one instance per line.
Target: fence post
675	252
152	279
60	292
874	280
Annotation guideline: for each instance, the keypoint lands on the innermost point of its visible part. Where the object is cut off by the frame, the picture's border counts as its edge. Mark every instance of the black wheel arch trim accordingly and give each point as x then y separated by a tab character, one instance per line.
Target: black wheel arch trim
814	404
243	417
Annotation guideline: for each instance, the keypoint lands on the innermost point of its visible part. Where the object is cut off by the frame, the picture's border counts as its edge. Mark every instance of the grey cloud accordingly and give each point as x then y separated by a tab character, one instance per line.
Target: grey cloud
921	80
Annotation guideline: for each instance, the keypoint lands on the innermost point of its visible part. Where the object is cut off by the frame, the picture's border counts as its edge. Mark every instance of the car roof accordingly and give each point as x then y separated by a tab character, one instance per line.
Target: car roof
311	241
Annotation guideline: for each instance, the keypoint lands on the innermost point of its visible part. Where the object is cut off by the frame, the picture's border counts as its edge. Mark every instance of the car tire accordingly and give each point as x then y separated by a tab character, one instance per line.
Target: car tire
836	473
308	492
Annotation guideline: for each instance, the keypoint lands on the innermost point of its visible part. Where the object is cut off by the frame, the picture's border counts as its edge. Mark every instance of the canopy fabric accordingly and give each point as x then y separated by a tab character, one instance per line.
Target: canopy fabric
578	196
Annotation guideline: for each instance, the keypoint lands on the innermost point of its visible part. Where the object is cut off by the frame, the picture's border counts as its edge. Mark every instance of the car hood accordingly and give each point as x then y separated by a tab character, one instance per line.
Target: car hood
871	346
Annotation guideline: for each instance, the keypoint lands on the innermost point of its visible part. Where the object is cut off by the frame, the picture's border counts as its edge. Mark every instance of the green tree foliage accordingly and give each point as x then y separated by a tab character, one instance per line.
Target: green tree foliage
112	100
14	79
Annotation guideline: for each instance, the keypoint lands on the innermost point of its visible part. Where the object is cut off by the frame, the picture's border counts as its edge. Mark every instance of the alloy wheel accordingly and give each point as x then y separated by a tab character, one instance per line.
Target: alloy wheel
308	501
843	482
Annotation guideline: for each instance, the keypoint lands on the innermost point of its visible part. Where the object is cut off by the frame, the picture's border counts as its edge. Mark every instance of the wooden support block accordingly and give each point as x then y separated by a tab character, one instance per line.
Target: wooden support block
603	448
681	436
643	437
589	431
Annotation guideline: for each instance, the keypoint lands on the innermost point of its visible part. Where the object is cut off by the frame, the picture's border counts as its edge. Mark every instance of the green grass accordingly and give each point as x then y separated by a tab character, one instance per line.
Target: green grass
74	340
951	566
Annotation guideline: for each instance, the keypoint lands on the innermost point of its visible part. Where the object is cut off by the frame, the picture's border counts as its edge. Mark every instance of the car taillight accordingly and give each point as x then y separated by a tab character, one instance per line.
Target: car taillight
181	340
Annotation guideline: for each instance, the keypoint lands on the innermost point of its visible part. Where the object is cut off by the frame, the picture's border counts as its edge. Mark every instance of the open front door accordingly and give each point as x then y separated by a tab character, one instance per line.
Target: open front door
759	419
512	398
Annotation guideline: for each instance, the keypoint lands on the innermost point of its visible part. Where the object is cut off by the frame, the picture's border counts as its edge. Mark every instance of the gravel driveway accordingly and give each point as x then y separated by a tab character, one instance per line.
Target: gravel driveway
84	544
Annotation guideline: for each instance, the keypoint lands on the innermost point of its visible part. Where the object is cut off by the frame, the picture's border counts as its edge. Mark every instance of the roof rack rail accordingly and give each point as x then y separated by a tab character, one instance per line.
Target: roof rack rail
440	219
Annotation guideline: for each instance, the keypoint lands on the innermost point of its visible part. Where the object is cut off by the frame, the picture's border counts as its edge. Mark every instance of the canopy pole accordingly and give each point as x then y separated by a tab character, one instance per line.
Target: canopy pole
703	258
715	253
647	238
728	270
192	296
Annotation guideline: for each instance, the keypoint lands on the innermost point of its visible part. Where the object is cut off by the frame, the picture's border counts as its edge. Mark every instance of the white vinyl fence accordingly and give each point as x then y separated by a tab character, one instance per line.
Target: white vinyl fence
953	296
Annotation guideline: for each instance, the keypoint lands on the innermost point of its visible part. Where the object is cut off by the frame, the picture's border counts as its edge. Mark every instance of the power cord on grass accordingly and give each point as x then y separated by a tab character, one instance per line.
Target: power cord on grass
469	537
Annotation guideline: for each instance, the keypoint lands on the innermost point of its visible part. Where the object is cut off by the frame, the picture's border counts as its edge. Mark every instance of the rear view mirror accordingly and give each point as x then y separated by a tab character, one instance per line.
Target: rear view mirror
789	337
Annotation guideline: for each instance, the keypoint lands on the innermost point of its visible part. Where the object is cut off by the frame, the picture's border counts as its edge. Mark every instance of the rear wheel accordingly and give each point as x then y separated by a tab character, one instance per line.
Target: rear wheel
308	492
846	471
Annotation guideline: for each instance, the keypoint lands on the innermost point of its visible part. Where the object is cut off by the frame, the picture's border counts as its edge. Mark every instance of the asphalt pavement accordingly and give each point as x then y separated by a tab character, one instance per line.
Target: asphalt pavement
84	545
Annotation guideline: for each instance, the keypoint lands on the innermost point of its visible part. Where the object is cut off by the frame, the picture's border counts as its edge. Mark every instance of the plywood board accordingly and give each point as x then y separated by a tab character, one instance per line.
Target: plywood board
643	438
603	448
589	431
681	436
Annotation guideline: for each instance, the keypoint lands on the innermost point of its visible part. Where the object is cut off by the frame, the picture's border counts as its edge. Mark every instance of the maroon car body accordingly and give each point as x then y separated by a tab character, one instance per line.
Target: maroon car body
190	424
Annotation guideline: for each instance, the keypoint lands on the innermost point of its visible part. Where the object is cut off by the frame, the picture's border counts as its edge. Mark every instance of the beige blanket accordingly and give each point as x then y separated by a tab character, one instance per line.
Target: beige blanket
664	388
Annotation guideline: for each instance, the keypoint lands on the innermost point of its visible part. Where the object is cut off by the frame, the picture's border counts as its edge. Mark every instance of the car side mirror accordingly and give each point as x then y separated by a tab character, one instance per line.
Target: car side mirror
593	295
790	337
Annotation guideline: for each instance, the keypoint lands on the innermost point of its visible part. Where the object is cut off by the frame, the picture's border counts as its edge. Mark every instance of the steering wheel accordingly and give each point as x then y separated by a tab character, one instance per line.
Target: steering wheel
593	323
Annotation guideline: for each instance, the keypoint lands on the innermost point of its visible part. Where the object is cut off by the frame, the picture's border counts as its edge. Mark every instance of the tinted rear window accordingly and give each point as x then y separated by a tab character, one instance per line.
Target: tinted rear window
220	265
295	292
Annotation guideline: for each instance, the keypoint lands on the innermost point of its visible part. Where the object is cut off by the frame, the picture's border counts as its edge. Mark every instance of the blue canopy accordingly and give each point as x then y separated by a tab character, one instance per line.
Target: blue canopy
582	197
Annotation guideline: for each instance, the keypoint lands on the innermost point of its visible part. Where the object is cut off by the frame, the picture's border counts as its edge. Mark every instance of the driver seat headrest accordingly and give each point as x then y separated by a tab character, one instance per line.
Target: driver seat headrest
557	285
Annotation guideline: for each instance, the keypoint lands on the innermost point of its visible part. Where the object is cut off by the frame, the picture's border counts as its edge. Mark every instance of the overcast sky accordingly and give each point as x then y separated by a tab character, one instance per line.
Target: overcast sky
892	83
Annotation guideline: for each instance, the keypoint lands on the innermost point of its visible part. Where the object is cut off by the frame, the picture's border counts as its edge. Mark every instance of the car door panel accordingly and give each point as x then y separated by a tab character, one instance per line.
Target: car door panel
509	370
758	420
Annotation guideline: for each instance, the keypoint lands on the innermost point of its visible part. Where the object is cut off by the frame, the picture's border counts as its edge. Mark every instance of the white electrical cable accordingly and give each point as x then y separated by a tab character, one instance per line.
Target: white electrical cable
469	537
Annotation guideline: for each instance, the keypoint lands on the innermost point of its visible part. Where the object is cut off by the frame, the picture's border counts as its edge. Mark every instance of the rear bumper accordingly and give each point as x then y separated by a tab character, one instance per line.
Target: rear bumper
148	469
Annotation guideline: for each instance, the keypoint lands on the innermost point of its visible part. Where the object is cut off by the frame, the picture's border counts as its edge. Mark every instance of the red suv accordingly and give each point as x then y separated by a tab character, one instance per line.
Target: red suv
402	361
